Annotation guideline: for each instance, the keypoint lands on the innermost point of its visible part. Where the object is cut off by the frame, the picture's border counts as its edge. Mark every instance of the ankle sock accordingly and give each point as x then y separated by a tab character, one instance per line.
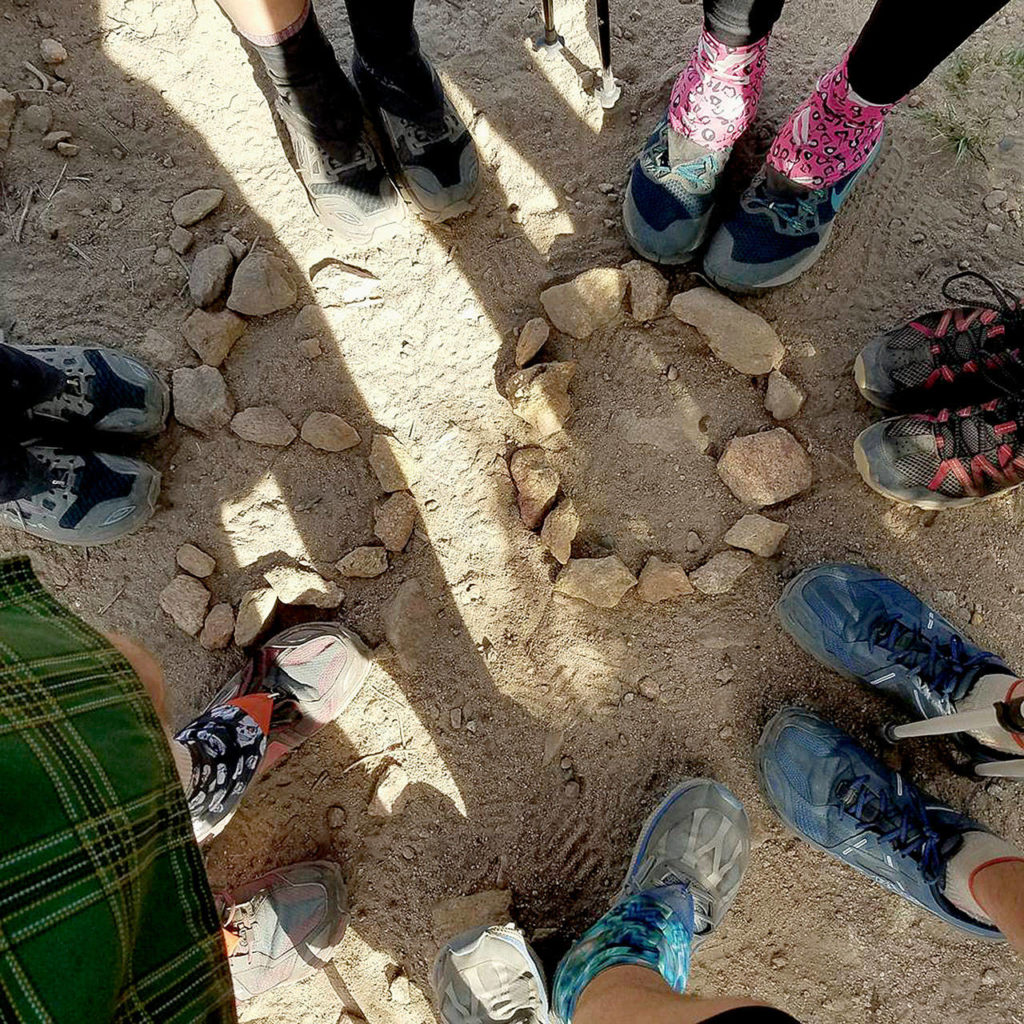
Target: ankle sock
829	135
284	34
980	850
652	928
988	690
715	98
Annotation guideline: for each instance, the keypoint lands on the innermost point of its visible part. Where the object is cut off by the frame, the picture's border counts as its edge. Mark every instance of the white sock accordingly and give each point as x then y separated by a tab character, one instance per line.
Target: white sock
979	849
183	762
986	691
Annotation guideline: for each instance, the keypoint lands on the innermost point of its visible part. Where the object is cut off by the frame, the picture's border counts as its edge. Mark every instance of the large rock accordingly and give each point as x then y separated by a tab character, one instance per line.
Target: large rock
261	285
393	521
648	290
8	107
756	534
212	335
201	399
364	562
719	574
531	339
303	586
185	600
592	299
264	424
598	581
195	561
254	615
536	485
395	468
766	468
192	208
560	529
409	625
540	396
783	399
744	340
218	628
208	276
328	432
663	581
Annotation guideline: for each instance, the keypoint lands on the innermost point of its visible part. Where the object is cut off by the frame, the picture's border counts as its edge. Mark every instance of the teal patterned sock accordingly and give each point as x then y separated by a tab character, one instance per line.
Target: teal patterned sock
652	928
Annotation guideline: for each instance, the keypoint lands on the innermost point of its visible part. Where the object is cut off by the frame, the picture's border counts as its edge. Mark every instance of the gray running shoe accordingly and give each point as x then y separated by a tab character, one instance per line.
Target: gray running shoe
490	976
287	924
82	498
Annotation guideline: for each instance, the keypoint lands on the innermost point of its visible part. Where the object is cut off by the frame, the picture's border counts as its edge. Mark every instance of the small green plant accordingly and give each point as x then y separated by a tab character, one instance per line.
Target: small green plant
1012	61
964	133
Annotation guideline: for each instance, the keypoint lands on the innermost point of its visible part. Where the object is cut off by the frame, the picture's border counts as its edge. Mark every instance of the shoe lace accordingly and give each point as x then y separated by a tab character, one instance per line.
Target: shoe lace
241	920
797	211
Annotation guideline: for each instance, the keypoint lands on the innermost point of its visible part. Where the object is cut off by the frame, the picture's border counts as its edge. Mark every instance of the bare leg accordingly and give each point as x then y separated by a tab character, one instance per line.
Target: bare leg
260	19
999	888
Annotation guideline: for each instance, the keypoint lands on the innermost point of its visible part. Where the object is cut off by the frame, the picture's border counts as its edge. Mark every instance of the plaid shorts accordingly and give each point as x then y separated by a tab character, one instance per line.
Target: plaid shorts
105	910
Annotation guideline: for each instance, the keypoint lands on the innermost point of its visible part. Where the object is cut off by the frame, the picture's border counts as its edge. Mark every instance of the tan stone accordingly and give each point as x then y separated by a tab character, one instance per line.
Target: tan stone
303	586
756	534
395	468
598	581
185	600
560	529
531	339
589	301
328	432
364	562
648	290
540	396
393	521
218	628
254	614
719	574
264	424
766	468
194	561
663	581
536	485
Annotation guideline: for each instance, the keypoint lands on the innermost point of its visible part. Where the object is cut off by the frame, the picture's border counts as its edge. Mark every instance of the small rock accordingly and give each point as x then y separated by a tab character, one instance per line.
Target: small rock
744	340
672	373
692	541
218	628
995	199
303	587
756	534
59	88
254	614
45	19
719	574
408	853
390	796
992	230
328	432
572	789
565	764
194	561
648	291
539	395
560	529
201	399
309	321
50	139
783	399
67	149
598	581
185	600
37	118
264	424
209	274
212	335
261	285
990	977
393	521
592	299
163	256
766	468
180	240
8	107
336	817
455	716
649	688
235	245
310	348
531	339
914	100
536	485
454	916
553	741
917	237
395	468
52	51
365	562
192	208
662	581
409	626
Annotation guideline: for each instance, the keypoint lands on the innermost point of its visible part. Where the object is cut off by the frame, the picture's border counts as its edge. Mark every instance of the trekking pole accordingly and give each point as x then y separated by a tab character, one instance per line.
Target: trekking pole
550	40
609	93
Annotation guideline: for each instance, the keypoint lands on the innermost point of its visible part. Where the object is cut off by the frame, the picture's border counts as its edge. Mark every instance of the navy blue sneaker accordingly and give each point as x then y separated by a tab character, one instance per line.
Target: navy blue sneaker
868	627
668	205
777	231
845	802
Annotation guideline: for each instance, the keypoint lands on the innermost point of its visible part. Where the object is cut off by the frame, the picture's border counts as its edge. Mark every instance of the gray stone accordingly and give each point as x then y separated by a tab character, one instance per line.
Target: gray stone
409	625
390	795
192	208
692	541
180	240
560	528
395	468
261	285
8	108
37	118
209	274
393	521
336	817
201	399
218	628
185	600
212	335
756	534
589	301
254	614
365	562
540	396
766	468
662	581
195	561
235	245
598	581
309	321
67	149
531	339
50	139
328	432
52	51
995	199
783	399
310	348
303	587
719	574
536	485
264	424
648	290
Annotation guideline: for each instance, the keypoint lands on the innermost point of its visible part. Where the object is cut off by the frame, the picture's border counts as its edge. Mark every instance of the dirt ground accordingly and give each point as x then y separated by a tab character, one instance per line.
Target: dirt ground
164	101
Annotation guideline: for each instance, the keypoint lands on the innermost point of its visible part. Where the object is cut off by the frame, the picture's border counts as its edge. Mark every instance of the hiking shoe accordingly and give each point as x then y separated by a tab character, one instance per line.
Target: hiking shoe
946	358
81	498
671	196
284	926
777	231
948	459
427	147
843	801
490	976
102	390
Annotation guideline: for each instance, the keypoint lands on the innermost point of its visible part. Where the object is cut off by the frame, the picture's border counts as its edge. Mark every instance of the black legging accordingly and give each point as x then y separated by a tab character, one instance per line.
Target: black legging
752	1015
901	44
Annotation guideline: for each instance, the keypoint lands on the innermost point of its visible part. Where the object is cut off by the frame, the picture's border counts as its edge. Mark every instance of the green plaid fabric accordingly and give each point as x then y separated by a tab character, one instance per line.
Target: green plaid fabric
105	910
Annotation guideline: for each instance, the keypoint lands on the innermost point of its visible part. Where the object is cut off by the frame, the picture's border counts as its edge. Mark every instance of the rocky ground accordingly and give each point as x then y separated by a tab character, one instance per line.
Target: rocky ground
351	428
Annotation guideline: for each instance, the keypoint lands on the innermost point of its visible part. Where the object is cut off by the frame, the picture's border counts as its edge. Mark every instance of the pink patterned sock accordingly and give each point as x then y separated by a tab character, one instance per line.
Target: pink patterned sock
715	98
829	135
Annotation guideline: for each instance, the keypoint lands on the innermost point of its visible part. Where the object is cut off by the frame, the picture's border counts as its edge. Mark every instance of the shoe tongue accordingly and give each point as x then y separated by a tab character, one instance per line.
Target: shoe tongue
682	150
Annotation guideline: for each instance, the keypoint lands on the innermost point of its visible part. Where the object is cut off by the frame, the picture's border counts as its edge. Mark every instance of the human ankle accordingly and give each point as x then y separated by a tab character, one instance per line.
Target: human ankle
988	690
980	852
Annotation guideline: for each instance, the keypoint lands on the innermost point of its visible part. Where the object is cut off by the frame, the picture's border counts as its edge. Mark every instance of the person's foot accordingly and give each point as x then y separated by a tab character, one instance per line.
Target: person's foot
490	976
948	459
947	358
777	231
830	791
81	498
427	147
284	926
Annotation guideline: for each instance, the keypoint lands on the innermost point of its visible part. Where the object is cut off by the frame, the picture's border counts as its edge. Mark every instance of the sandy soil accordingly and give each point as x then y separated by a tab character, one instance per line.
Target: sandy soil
164	101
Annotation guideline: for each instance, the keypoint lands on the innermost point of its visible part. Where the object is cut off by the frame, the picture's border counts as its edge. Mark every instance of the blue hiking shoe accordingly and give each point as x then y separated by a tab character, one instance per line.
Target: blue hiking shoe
670	196
777	231
845	802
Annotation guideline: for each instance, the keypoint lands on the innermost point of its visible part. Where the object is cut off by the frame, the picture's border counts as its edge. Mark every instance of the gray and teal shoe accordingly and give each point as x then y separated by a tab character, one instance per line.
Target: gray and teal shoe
777	231
490	976
671	196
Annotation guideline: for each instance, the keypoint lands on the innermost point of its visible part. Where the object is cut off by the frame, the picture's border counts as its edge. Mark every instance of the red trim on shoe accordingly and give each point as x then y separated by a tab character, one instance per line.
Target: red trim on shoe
1009	696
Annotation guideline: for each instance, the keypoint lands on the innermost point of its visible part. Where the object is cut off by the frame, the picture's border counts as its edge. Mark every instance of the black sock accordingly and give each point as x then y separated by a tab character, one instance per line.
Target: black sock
21	475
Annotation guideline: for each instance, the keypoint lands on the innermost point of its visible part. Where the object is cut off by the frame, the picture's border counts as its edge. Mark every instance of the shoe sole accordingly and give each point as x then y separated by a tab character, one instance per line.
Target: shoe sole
861	380
369	237
631	216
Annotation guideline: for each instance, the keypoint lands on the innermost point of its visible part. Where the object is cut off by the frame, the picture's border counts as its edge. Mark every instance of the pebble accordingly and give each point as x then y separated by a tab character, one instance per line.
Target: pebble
50	139
37	118
589	301
409	626
364	562
308	321
766	468
310	348
719	574
339	284
201	399
408	853
195	561
389	796
662	581
559	530
455	717
756	534
990	977
52	51
261	285
737	336
917	237
328	432
531	339
692	541
212	335
303	587
540	396
67	149
218	628
599	581
536	485
783	399
672	373
254	614
116	204
649	688
914	100
394	467
192	208
565	764
393	521
648	291
8	108
995	199
398	990
992	230
60	88
336	817
264	424
45	19
209	274
185	600
163	256
235	245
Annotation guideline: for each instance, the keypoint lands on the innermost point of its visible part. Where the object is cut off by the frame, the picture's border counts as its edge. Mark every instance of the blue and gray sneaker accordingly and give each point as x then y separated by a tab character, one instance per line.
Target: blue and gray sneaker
845	802
868	627
671	195
777	231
